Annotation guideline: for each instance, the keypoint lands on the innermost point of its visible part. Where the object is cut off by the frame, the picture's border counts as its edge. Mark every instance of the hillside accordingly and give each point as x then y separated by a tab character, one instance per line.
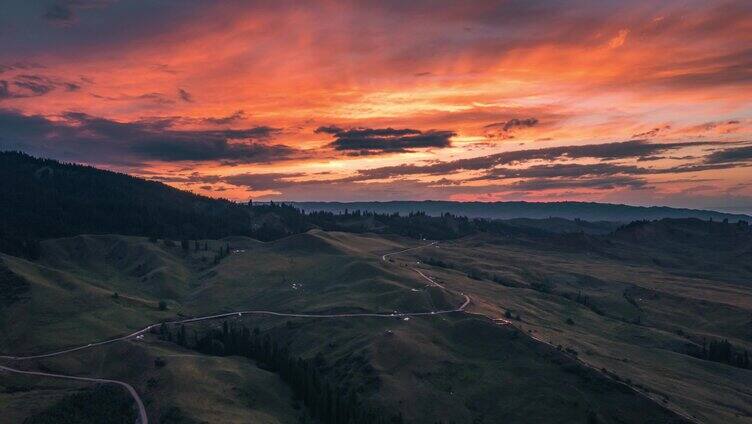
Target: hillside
453	368
643	304
44	198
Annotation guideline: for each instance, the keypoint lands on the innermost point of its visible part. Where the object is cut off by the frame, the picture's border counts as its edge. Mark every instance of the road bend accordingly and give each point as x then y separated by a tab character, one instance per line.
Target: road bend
142	416
503	321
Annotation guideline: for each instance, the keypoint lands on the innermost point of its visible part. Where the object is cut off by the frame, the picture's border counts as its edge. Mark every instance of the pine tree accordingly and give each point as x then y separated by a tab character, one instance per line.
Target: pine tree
181	336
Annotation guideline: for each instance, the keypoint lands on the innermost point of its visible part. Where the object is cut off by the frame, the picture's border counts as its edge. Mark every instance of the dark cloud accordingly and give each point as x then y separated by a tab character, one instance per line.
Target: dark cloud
650	158
205	149
514	123
267	181
156	97
4	91
651	133
28	85
84	138
562	170
505	130
60	13
606	151
576	170
225	120
34	84
494	170
71	86
737	154
213	188
723	126
385	140
599	183
331	129
163	68
602	177
65	12
290	186
185	96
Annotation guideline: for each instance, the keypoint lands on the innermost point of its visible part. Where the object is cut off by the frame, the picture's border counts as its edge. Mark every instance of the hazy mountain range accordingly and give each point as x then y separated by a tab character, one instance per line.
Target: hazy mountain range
589	211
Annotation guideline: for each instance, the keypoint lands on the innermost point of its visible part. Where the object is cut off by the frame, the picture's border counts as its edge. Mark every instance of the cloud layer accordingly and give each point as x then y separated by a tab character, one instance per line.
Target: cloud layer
81	137
542	100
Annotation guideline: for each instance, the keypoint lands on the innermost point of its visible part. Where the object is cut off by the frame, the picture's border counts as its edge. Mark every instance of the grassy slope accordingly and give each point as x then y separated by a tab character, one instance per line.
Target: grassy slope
314	272
23	396
71	295
449	367
459	369
201	389
674	309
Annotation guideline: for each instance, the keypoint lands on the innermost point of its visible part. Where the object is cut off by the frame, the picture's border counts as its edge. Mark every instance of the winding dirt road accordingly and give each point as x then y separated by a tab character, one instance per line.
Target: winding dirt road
143	417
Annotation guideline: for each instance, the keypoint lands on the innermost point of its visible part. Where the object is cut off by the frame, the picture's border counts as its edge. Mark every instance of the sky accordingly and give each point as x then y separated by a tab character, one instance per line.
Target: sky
639	102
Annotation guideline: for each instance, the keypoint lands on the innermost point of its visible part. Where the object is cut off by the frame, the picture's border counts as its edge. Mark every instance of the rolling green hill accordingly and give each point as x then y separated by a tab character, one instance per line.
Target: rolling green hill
644	305
452	368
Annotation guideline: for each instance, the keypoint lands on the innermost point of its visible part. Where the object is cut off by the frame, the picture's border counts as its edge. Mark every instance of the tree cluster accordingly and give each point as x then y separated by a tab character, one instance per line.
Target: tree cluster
224	251
721	351
583	300
102	404
324	399
13	287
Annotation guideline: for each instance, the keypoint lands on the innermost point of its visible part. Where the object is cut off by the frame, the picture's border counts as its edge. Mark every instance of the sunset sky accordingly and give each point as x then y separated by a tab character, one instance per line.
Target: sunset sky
637	102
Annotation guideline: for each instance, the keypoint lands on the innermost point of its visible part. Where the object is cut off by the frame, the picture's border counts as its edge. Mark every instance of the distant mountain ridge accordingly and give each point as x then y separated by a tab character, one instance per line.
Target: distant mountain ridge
588	211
